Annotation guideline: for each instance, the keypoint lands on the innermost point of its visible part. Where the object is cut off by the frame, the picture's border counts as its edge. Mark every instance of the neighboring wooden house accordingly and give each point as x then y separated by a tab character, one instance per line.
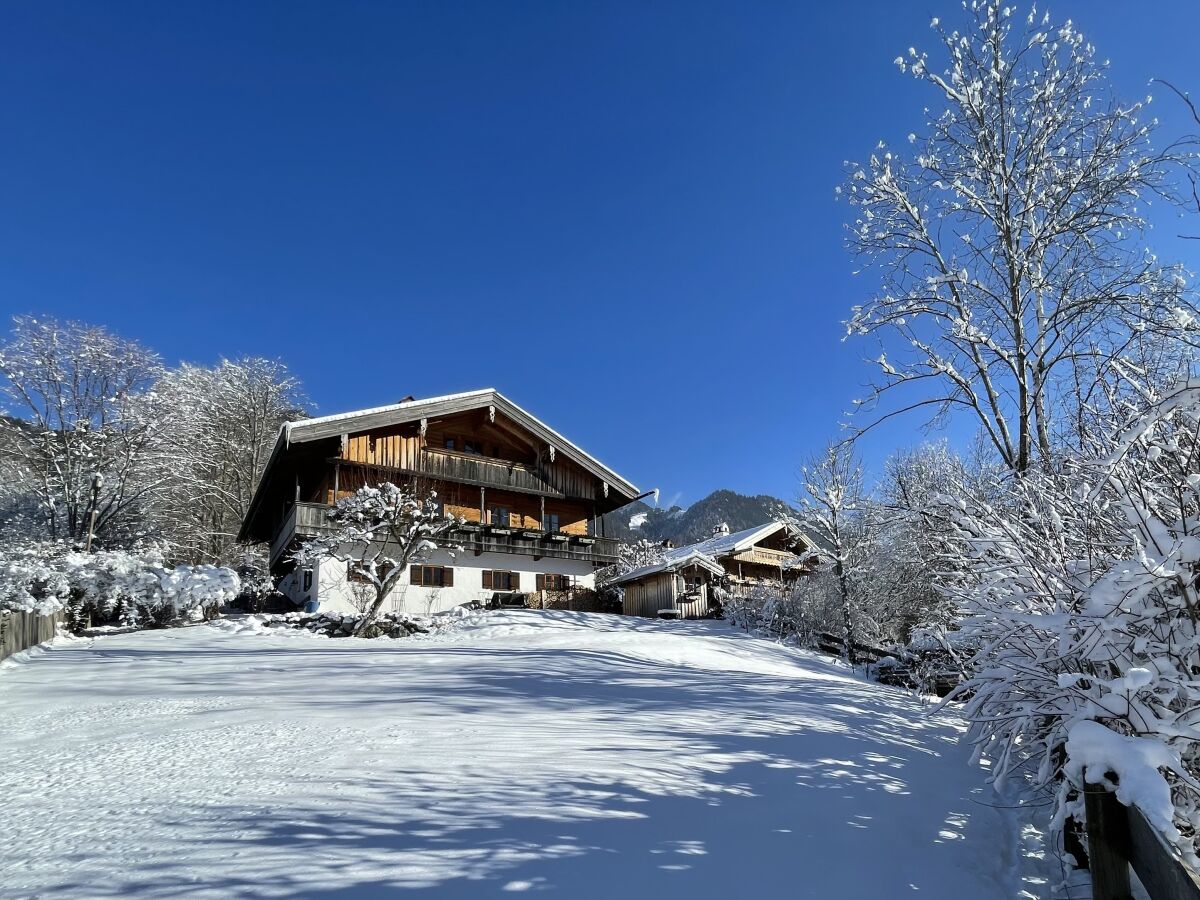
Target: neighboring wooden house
532	501
681	584
679	587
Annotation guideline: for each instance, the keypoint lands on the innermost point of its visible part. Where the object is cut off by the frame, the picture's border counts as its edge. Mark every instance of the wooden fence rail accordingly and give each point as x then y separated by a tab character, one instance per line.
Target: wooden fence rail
1120	838
20	631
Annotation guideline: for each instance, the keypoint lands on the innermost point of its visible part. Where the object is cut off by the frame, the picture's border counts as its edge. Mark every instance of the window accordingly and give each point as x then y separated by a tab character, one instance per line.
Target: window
549	521
449	443
498	515
431	576
307	580
471	446
494	580
553	582
355	573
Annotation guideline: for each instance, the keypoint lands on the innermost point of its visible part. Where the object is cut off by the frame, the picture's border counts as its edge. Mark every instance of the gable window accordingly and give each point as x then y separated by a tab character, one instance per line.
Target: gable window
549	521
553	582
449	443
499	515
472	446
431	576
496	580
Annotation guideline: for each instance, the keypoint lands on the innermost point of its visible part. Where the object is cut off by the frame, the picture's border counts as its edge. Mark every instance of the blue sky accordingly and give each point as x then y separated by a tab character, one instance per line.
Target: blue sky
622	215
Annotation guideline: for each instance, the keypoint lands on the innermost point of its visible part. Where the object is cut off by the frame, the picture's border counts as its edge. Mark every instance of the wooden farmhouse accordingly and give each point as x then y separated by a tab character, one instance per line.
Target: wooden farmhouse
681	584
531	500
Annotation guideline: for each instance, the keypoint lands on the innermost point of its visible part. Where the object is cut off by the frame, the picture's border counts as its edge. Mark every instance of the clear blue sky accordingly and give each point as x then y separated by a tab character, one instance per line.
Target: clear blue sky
620	214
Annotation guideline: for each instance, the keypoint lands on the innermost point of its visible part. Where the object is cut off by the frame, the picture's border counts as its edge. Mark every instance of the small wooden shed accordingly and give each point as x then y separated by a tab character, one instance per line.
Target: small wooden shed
679	588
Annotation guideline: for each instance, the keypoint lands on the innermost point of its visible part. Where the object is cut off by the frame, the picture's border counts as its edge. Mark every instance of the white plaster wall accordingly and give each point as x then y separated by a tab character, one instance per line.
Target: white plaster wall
336	592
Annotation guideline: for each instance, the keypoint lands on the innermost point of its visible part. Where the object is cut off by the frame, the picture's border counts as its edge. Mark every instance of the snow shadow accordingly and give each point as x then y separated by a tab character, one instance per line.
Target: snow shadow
633	760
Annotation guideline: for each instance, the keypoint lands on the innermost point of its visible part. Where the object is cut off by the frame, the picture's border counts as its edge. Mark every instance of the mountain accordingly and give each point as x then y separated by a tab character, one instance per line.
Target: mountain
687	526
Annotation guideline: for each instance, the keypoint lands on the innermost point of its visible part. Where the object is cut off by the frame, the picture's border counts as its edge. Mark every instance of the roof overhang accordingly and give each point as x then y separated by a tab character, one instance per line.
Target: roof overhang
325	427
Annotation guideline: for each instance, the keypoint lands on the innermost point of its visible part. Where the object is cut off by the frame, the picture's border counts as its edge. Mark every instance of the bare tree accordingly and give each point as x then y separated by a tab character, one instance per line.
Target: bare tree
217	428
379	532
75	393
1009	243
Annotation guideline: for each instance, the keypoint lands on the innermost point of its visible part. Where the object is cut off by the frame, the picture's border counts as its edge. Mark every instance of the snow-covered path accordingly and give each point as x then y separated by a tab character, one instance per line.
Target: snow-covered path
587	756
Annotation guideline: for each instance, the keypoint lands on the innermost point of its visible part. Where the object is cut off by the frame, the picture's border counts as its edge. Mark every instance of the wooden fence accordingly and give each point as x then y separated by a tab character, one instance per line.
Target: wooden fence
20	631
1120	838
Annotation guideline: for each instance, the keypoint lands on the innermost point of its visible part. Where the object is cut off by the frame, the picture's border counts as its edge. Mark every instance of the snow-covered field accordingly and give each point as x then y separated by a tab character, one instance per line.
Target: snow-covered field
582	755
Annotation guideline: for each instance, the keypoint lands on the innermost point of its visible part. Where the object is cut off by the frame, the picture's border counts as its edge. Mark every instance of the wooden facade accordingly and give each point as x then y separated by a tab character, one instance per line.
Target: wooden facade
518	487
685	594
683	582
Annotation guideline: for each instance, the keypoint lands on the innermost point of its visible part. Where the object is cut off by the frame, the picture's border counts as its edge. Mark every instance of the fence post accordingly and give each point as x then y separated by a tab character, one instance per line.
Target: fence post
1108	843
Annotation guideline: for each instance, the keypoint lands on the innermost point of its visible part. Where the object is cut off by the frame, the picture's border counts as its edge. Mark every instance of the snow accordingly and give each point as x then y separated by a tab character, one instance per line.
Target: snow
725	544
1094	750
637	520
594	756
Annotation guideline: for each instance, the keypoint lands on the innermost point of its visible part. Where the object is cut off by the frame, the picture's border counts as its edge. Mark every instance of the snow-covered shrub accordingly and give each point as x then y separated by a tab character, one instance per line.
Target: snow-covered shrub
129	586
1085	608
32	579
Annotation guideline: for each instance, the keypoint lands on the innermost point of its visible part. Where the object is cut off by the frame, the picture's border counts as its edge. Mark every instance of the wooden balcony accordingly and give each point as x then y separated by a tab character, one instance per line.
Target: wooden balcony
483	471
311	519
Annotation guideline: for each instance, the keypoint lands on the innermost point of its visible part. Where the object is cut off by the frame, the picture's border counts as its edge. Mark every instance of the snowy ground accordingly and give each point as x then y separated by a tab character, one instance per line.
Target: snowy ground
580	755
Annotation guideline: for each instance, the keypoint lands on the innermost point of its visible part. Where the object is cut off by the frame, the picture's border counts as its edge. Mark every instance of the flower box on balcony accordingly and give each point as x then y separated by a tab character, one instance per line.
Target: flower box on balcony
499	529
585	540
558	537
531	534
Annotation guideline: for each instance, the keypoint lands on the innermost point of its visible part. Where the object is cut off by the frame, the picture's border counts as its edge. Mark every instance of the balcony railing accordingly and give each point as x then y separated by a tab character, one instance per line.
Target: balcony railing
485	471
311	519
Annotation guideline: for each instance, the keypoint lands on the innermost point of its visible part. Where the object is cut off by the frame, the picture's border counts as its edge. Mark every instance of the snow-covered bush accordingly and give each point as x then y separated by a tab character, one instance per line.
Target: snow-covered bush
1084	604
130	586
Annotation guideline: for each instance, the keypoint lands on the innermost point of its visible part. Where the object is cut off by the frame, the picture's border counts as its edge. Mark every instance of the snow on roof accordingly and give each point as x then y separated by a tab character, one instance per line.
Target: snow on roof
674	564
412	410
405	405
726	544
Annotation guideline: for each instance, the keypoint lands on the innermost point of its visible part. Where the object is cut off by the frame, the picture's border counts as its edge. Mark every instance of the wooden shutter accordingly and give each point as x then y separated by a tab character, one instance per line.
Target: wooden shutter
541	582
487	578
414	575
447	577
514	581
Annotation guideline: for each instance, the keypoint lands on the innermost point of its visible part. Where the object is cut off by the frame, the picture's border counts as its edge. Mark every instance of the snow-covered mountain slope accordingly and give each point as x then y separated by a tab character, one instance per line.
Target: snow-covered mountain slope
593	756
686	526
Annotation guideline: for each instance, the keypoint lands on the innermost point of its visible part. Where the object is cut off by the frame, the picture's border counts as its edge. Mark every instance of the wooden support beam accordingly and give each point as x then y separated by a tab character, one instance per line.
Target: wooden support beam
1108	844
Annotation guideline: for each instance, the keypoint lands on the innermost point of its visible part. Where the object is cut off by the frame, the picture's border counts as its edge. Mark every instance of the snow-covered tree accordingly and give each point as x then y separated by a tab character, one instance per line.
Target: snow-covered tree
216	428
379	532
74	393
1084	604
1008	236
838	515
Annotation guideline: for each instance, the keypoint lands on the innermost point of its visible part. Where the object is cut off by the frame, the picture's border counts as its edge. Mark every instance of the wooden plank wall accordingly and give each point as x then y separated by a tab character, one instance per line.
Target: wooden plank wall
400	447
646	598
20	631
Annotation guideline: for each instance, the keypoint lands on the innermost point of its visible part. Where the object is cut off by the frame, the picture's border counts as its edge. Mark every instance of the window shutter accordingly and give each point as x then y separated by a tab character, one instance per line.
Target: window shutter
414	575
541	582
448	574
487	579
514	581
